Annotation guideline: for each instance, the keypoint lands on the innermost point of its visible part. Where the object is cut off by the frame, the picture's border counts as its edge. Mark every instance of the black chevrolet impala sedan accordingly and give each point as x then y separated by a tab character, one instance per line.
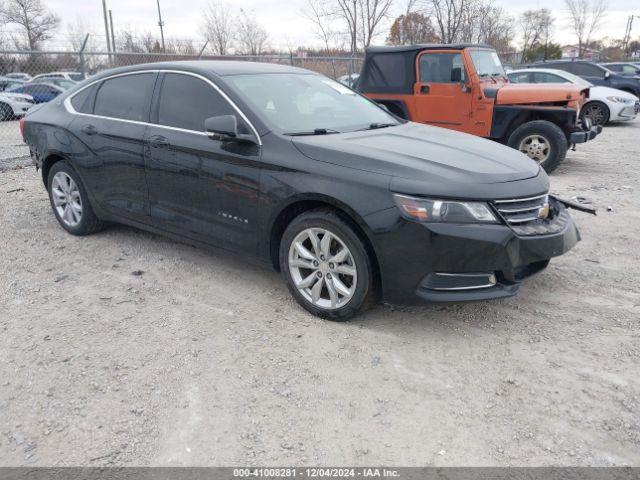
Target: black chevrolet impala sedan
281	164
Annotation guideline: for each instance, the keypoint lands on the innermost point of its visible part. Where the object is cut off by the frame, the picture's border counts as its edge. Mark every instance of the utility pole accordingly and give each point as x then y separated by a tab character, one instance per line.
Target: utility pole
113	35
161	24
106	27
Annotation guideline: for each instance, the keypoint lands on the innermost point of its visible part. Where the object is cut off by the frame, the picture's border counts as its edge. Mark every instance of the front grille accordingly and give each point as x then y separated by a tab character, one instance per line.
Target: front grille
523	215
521	211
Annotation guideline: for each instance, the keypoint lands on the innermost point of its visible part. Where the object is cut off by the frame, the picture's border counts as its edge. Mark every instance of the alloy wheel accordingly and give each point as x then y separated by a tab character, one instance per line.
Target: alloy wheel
535	147
595	113
322	268
66	199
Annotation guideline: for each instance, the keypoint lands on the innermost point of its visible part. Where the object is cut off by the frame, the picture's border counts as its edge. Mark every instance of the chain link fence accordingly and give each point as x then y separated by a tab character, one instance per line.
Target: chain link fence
29	78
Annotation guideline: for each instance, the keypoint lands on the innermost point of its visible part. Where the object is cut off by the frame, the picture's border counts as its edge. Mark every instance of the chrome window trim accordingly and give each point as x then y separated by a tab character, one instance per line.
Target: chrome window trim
69	107
513	200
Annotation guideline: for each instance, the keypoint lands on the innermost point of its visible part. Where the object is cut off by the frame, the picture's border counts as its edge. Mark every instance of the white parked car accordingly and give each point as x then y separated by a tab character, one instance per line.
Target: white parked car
14	105
349	80
603	105
73	76
25	77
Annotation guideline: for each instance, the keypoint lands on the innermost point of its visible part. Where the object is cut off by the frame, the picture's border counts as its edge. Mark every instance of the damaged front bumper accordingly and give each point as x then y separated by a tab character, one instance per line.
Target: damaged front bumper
440	262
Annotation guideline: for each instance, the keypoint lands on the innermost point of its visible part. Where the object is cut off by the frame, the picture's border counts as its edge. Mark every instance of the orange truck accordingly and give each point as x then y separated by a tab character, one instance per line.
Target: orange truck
464	87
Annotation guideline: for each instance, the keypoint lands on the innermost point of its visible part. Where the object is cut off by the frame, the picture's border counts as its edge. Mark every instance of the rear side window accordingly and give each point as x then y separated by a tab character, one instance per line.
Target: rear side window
519	77
186	101
125	97
83	101
542	77
587	70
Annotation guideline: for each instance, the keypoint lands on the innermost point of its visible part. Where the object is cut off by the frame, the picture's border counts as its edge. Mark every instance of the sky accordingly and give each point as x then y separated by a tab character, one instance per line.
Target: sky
283	19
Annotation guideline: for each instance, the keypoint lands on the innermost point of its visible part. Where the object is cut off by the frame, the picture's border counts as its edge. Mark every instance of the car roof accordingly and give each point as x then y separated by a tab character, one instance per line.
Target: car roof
216	67
425	46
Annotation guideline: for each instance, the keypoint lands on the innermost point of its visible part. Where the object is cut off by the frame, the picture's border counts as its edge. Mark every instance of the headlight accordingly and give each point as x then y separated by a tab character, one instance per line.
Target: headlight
619	99
449	211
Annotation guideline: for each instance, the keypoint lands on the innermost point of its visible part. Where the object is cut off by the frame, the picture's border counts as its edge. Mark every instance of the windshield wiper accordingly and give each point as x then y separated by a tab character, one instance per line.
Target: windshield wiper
317	131
374	126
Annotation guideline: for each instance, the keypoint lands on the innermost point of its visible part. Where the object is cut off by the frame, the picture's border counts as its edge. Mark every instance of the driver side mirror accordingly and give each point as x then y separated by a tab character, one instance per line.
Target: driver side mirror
607	75
225	128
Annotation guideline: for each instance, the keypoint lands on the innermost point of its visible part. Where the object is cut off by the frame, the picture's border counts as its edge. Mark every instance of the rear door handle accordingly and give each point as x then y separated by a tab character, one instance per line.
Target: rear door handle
89	130
158	141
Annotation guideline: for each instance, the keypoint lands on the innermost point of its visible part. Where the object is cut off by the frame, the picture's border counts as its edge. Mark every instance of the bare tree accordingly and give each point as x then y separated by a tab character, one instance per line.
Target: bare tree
585	17
217	27
348	12
323	19
35	19
76	33
450	16
252	37
535	26
372	13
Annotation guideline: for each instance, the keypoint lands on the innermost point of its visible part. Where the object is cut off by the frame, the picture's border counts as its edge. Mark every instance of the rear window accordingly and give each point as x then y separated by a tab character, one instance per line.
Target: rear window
76	77
186	101
125	97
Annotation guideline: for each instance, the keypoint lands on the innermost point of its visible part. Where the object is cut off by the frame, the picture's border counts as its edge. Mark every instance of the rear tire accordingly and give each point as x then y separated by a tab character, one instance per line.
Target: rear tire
70	202
598	112
542	141
334	290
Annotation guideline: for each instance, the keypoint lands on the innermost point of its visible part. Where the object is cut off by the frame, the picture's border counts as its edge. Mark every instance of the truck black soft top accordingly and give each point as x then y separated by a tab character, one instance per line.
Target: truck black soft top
392	69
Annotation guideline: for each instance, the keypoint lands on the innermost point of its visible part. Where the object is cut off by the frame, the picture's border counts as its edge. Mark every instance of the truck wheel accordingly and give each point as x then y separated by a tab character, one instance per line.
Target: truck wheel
541	141
598	112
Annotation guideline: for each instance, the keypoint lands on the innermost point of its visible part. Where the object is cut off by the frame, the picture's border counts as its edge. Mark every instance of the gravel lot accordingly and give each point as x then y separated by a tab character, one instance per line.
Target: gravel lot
126	348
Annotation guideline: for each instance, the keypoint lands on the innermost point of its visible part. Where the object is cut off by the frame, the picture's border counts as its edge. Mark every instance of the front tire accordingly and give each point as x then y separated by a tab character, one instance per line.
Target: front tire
541	141
6	112
70	202
596	111
326	265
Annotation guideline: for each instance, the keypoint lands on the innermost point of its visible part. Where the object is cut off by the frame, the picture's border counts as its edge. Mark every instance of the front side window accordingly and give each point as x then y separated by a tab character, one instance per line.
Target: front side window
441	68
297	103
186	101
125	97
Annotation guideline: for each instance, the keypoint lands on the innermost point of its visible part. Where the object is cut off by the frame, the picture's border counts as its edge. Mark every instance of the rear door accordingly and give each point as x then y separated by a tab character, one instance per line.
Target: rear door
200	187
441	97
111	124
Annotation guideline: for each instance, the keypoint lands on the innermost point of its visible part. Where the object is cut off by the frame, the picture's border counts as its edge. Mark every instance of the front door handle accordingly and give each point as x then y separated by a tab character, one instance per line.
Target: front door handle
89	130
158	141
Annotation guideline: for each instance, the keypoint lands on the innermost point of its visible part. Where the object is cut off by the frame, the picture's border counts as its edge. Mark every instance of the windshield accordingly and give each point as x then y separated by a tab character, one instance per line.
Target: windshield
300	103
487	63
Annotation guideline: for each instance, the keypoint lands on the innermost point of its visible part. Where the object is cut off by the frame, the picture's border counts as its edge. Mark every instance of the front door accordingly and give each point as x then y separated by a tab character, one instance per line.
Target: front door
112	128
442	97
200	187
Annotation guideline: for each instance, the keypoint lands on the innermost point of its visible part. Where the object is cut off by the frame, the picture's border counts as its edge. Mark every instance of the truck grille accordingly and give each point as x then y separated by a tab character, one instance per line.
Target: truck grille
539	215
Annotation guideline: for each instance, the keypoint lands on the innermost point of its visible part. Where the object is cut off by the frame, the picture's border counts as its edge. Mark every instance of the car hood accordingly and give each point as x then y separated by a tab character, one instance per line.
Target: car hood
429	160
526	93
604	92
